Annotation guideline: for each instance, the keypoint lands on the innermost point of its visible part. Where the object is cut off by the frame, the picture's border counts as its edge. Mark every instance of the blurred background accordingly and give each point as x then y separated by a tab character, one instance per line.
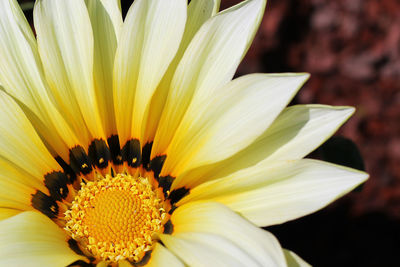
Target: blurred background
352	50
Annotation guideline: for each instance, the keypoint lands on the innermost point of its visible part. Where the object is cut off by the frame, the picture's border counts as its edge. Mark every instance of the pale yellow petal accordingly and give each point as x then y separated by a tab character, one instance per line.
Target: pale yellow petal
275	192
229	121
149	40
106	19
66	47
162	257
7	213
14	194
199	11
204	249
214	218
19	142
32	239
209	62
297	131
21	76
293	260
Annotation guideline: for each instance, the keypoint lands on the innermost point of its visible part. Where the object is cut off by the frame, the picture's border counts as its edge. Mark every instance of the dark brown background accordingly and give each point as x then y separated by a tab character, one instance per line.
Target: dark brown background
352	50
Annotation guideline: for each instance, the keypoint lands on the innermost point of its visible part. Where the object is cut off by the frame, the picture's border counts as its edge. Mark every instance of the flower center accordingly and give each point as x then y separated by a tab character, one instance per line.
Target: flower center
116	217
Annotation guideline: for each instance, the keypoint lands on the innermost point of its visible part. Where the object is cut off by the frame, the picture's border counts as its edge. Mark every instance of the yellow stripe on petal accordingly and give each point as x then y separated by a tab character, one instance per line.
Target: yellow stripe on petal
17	186
229	121
66	47
7	213
214	218
297	131
149	40
19	142
199	11
15	195
209	62
275	192
32	239
22	76
106	19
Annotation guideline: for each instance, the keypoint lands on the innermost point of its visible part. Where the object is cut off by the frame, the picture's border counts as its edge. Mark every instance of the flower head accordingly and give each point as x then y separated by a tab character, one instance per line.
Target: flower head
128	141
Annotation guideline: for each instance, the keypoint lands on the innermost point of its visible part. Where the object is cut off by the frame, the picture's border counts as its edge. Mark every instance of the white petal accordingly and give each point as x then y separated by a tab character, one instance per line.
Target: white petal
32	239
214	218
65	42
209	62
149	40
198	11
296	132
293	260
106	19
230	121
275	192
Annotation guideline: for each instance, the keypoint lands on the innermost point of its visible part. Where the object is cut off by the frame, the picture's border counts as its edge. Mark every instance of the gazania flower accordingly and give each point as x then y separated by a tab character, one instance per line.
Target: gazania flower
129	143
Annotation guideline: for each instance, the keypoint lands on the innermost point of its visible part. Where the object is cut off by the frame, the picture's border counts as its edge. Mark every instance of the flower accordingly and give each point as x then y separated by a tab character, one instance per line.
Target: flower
128	141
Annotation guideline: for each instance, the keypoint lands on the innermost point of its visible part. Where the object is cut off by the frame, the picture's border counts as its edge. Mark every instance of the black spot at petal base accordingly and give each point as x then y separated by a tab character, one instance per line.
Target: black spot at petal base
146	152
168	227
178	194
143	261
45	204
165	182
132	153
79	160
99	153
156	165
69	172
56	182
81	263
115	149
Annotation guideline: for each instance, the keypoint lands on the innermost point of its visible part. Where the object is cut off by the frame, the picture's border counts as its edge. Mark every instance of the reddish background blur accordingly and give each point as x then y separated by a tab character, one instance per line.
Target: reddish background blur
352	50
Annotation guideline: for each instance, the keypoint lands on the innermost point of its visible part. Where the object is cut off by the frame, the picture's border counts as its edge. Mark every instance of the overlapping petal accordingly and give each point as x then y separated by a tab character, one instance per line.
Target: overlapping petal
22	76
32	239
296	132
209	62
66	47
232	234
150	37
106	21
19	142
275	192
293	260
198	12
229	121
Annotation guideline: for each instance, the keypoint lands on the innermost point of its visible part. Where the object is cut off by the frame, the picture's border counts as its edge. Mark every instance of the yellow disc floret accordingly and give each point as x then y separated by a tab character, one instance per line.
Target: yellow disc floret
116	217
